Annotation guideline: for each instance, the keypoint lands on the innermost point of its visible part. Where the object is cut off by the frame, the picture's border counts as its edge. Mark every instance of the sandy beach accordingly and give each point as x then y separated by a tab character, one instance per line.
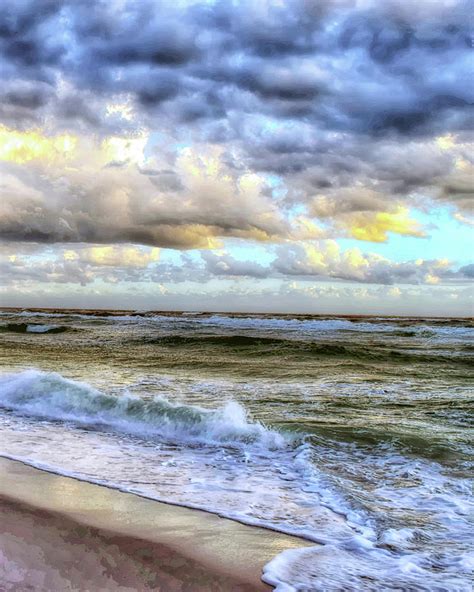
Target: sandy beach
57	534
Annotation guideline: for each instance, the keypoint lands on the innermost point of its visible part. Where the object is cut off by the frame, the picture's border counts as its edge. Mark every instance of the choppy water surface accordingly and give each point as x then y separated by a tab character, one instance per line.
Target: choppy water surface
353	433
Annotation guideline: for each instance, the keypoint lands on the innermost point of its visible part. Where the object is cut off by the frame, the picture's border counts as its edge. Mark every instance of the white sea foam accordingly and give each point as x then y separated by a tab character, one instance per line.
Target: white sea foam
41	328
333	568
30	314
275	323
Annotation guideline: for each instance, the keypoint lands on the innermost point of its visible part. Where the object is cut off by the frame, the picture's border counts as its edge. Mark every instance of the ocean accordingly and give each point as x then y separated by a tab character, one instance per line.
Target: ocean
350	432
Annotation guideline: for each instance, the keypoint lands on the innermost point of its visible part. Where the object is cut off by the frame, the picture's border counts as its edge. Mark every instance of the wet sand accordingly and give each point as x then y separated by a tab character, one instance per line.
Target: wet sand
60	534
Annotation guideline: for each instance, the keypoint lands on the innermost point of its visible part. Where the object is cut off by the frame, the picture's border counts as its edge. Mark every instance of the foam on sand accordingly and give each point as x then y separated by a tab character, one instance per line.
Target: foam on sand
182	545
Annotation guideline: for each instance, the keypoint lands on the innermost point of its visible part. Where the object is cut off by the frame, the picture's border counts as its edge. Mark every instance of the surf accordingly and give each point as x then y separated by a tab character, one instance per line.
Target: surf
50	395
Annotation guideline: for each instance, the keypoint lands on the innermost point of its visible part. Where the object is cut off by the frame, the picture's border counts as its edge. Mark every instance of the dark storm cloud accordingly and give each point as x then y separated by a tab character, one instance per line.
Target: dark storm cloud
372	69
73	108
330	95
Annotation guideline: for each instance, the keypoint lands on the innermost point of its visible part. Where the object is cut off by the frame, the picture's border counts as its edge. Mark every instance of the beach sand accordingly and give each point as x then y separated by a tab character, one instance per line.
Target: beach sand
60	534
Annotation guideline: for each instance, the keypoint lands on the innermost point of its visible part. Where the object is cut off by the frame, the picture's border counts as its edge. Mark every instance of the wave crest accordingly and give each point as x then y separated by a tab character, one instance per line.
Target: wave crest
50	395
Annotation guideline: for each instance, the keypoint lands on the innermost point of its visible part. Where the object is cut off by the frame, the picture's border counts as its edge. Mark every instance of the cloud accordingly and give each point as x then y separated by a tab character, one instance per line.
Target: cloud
184	124
160	52
114	256
82	265
34	275
316	267
317	261
374	227
80	190
468	270
222	265
325	259
21	147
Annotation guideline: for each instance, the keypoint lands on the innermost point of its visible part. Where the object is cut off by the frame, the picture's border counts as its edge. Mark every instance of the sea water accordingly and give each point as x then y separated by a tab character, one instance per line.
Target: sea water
353	433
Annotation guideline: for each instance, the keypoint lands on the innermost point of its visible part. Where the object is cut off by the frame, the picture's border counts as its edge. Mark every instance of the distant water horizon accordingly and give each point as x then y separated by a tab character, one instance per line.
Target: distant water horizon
230	313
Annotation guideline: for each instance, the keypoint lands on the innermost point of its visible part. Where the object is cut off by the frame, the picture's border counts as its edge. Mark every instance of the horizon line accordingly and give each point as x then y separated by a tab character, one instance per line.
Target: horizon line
139	312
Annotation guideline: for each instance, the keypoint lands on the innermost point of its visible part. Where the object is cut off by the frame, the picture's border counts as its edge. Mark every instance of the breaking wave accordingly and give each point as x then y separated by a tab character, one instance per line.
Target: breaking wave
49	395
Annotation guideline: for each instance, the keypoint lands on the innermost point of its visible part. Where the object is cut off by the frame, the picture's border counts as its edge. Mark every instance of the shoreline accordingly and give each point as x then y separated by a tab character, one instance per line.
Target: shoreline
111	538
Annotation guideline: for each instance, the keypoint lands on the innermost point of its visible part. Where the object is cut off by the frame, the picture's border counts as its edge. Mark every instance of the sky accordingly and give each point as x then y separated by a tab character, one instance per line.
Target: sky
306	156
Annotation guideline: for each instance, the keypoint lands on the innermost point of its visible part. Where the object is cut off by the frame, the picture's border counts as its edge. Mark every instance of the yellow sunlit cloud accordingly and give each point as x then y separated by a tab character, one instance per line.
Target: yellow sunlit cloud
374	227
121	256
463	165
431	279
70	255
355	258
20	147
446	142
443	263
316	257
326	254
